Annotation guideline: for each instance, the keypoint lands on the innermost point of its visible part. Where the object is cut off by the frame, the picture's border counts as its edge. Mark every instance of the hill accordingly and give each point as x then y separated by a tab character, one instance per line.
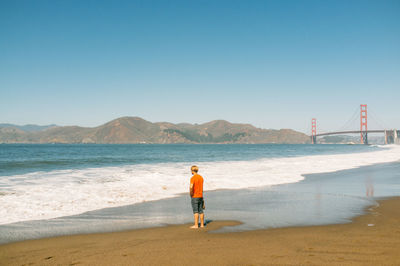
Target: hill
138	130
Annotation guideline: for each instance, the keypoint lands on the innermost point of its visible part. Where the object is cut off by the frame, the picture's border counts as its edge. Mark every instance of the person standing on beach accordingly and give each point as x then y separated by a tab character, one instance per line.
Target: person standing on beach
196	193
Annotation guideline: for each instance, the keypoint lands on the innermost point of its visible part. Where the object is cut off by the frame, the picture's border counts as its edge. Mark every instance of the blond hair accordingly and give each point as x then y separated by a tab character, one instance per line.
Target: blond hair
194	168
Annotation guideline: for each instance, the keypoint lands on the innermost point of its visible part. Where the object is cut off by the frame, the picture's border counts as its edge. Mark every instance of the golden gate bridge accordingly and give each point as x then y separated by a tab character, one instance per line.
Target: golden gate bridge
392	136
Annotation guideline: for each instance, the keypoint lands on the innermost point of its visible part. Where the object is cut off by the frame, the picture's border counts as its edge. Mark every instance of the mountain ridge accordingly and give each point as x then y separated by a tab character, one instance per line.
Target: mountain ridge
135	129
28	127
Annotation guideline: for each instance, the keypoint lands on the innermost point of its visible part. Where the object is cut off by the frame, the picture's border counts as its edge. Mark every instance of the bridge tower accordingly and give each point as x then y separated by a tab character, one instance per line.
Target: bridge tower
314	131
363	124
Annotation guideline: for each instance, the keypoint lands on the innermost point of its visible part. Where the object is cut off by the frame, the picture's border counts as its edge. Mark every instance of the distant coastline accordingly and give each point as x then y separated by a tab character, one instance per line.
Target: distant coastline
135	130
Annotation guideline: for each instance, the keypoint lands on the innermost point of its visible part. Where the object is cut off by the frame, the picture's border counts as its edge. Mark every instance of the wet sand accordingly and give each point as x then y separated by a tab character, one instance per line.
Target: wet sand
371	239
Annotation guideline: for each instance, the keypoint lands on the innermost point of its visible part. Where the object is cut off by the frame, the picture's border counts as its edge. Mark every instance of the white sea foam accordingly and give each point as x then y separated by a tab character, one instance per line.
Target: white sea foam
44	195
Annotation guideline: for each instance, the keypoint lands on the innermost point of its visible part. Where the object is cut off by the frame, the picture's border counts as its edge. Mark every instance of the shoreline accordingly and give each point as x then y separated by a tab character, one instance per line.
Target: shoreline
311	202
370	239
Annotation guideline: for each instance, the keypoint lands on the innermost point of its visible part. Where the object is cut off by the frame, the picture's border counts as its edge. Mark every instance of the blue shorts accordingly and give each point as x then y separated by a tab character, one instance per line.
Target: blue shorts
197	205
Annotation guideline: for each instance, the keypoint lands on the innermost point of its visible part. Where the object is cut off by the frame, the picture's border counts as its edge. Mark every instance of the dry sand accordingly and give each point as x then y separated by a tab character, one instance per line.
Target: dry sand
372	239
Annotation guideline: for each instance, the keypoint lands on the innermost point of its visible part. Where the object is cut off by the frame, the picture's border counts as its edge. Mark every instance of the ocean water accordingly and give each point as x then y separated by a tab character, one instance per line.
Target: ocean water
48	190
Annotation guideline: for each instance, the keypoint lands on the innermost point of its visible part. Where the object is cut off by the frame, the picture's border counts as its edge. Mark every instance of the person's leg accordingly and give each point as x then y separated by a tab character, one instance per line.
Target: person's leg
202	220
196	221
195	213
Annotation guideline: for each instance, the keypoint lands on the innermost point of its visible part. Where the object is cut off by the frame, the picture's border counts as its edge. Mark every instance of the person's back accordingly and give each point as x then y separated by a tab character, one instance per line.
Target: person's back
197	181
196	193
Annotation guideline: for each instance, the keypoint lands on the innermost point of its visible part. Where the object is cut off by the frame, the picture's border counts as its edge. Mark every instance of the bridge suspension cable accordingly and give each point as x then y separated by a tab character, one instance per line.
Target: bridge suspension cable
353	120
375	119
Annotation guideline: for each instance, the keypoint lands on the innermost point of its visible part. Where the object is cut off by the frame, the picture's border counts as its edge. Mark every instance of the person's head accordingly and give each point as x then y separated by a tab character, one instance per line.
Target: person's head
194	169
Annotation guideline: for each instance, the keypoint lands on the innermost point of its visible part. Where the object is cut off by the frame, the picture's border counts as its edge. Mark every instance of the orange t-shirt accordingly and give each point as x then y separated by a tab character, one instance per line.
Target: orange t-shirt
197	181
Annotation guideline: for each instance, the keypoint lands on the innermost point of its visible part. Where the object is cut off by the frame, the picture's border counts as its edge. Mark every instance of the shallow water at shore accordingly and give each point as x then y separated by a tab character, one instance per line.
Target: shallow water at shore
56	192
319	199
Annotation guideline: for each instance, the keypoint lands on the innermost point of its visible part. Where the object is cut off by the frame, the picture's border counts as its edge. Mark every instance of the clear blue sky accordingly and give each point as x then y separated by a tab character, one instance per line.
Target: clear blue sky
274	64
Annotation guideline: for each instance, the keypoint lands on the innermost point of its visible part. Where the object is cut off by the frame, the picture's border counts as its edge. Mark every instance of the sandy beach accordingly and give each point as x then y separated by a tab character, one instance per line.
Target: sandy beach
371	239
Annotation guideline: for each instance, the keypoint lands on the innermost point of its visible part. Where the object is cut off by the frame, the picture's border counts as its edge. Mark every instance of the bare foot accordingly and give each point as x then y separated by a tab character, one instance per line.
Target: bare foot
194	227
202	226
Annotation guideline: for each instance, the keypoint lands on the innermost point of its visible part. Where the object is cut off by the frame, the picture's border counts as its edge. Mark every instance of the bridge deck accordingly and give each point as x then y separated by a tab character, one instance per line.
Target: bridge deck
349	132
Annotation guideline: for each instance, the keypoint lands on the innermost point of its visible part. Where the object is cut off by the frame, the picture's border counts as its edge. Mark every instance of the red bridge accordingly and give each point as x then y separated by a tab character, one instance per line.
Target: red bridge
391	136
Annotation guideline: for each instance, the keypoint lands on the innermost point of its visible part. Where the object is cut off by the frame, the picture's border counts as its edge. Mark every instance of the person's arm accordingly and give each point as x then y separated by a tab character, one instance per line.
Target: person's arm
191	190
